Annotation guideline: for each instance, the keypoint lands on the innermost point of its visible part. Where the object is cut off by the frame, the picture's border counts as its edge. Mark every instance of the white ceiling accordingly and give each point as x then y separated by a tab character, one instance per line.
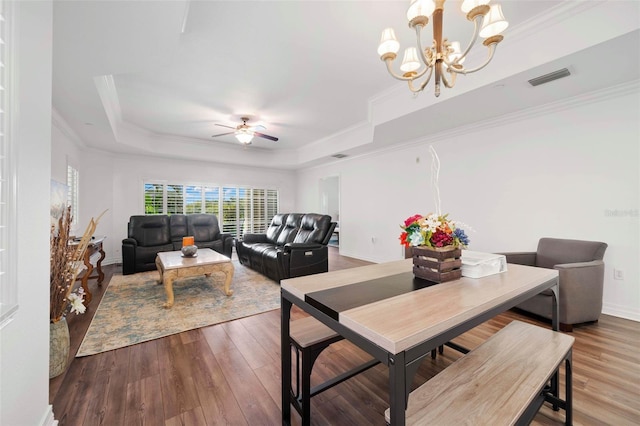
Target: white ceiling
154	77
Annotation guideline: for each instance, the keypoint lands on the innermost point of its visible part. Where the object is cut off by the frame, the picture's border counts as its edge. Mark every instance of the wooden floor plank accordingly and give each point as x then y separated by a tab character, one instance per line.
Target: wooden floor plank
218	403
255	402
143	361
144	407
177	384
255	355
115	365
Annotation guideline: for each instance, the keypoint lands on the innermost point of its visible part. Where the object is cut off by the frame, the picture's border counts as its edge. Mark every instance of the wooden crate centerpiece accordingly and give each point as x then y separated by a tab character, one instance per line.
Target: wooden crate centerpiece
437	264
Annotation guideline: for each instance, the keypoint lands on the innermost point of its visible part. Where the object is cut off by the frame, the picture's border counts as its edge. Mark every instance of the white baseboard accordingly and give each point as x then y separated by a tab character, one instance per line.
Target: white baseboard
48	418
621	311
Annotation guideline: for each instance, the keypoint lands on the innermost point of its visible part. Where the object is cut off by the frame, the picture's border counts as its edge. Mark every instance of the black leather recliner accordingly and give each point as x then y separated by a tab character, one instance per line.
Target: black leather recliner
150	234
294	245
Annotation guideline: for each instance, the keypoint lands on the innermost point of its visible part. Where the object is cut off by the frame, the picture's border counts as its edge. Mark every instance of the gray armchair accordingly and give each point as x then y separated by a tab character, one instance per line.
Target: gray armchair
581	279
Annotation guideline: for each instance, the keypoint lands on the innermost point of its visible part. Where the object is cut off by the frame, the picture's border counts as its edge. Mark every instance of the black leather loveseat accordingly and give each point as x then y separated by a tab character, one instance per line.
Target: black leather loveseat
294	245
148	235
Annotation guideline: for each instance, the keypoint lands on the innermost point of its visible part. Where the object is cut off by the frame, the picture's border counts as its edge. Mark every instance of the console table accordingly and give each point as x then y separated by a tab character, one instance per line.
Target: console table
95	246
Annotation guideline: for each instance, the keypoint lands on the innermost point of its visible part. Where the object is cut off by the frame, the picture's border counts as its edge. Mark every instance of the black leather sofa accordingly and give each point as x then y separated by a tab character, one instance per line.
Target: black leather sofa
148	235
294	245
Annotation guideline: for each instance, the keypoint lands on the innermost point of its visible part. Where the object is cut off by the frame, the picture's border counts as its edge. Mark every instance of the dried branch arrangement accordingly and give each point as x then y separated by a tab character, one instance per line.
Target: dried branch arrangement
66	262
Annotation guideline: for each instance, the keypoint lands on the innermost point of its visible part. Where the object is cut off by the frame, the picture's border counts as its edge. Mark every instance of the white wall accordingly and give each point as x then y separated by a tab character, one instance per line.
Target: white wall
24	348
115	183
558	173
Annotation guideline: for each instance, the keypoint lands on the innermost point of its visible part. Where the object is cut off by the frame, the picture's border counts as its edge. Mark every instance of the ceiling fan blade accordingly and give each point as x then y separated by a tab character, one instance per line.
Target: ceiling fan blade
222	134
262	135
222	125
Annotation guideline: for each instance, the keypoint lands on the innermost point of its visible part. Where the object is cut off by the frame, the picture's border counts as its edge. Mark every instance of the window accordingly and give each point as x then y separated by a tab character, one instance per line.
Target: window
239	209
72	194
175	199
193	199
153	198
8	282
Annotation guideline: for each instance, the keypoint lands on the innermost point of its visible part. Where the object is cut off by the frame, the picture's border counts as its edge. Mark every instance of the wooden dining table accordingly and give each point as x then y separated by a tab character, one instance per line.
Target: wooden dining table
400	319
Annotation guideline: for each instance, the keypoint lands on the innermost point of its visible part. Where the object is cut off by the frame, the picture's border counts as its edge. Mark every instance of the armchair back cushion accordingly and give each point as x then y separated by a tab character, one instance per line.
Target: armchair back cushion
290	230
313	228
555	251
276	226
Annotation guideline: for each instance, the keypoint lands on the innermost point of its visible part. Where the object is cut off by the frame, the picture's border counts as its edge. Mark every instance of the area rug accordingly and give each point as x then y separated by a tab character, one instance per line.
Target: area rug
131	310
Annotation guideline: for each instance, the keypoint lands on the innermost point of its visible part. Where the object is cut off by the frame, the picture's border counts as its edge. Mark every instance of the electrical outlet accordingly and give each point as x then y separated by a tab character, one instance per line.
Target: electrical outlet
618	274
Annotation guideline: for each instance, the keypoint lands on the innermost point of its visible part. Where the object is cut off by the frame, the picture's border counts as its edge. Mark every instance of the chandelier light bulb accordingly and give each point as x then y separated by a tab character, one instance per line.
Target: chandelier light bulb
420	8
494	23
456	53
410	62
388	42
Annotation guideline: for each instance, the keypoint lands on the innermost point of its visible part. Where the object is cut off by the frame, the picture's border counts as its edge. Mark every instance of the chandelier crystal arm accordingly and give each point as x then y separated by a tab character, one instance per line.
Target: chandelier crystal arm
492	51
423	55
476	30
449	84
423	84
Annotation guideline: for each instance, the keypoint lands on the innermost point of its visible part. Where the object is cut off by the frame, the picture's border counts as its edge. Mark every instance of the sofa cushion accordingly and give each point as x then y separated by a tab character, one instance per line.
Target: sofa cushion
150	231
178	224
290	230
275	227
203	227
313	228
147	255
213	245
555	251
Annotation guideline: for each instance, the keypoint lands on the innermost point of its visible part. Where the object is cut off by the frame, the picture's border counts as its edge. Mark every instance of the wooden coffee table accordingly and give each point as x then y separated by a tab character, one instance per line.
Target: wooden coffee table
172	265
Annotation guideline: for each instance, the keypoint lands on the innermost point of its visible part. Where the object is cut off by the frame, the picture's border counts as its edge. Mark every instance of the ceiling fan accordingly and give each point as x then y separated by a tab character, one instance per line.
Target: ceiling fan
245	133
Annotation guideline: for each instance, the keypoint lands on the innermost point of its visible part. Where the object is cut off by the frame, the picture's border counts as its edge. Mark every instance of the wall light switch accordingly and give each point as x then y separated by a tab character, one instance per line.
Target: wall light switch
618	274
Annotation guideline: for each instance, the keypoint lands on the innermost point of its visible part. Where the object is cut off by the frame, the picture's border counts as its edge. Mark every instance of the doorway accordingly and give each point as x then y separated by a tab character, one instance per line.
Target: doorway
330	204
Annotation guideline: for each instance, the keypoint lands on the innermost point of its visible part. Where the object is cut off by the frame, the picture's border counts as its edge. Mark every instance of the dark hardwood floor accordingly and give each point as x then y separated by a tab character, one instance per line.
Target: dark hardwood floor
230	374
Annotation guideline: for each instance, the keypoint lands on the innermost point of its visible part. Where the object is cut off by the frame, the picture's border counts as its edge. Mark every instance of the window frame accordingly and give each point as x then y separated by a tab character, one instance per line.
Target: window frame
73	193
8	173
236	215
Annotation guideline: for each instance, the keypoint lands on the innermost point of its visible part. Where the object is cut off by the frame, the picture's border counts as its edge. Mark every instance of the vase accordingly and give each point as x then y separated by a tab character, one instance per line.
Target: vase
58	347
189	251
437	264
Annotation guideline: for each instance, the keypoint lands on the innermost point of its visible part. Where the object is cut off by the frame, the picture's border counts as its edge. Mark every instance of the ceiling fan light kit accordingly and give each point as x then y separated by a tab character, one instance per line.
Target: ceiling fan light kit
443	56
245	133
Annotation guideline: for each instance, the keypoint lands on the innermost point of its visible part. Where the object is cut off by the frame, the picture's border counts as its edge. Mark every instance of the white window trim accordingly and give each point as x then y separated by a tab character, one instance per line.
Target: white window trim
8	276
73	196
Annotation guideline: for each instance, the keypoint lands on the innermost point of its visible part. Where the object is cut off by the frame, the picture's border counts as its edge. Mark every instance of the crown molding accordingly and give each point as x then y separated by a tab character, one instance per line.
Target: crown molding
61	124
547	109
106	87
526	114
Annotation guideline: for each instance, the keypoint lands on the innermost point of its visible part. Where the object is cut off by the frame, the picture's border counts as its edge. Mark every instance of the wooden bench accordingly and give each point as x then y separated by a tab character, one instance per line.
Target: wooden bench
309	337
503	381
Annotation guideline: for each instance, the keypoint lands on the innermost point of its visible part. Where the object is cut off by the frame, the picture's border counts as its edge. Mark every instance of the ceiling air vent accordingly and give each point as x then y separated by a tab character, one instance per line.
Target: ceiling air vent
549	77
339	155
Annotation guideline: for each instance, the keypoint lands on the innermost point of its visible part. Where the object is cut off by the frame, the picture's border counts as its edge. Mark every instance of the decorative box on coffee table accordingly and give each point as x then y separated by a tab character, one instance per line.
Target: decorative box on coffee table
437	264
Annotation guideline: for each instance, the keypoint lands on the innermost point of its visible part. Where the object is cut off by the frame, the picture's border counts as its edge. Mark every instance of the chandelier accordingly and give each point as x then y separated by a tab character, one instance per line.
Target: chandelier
443	57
